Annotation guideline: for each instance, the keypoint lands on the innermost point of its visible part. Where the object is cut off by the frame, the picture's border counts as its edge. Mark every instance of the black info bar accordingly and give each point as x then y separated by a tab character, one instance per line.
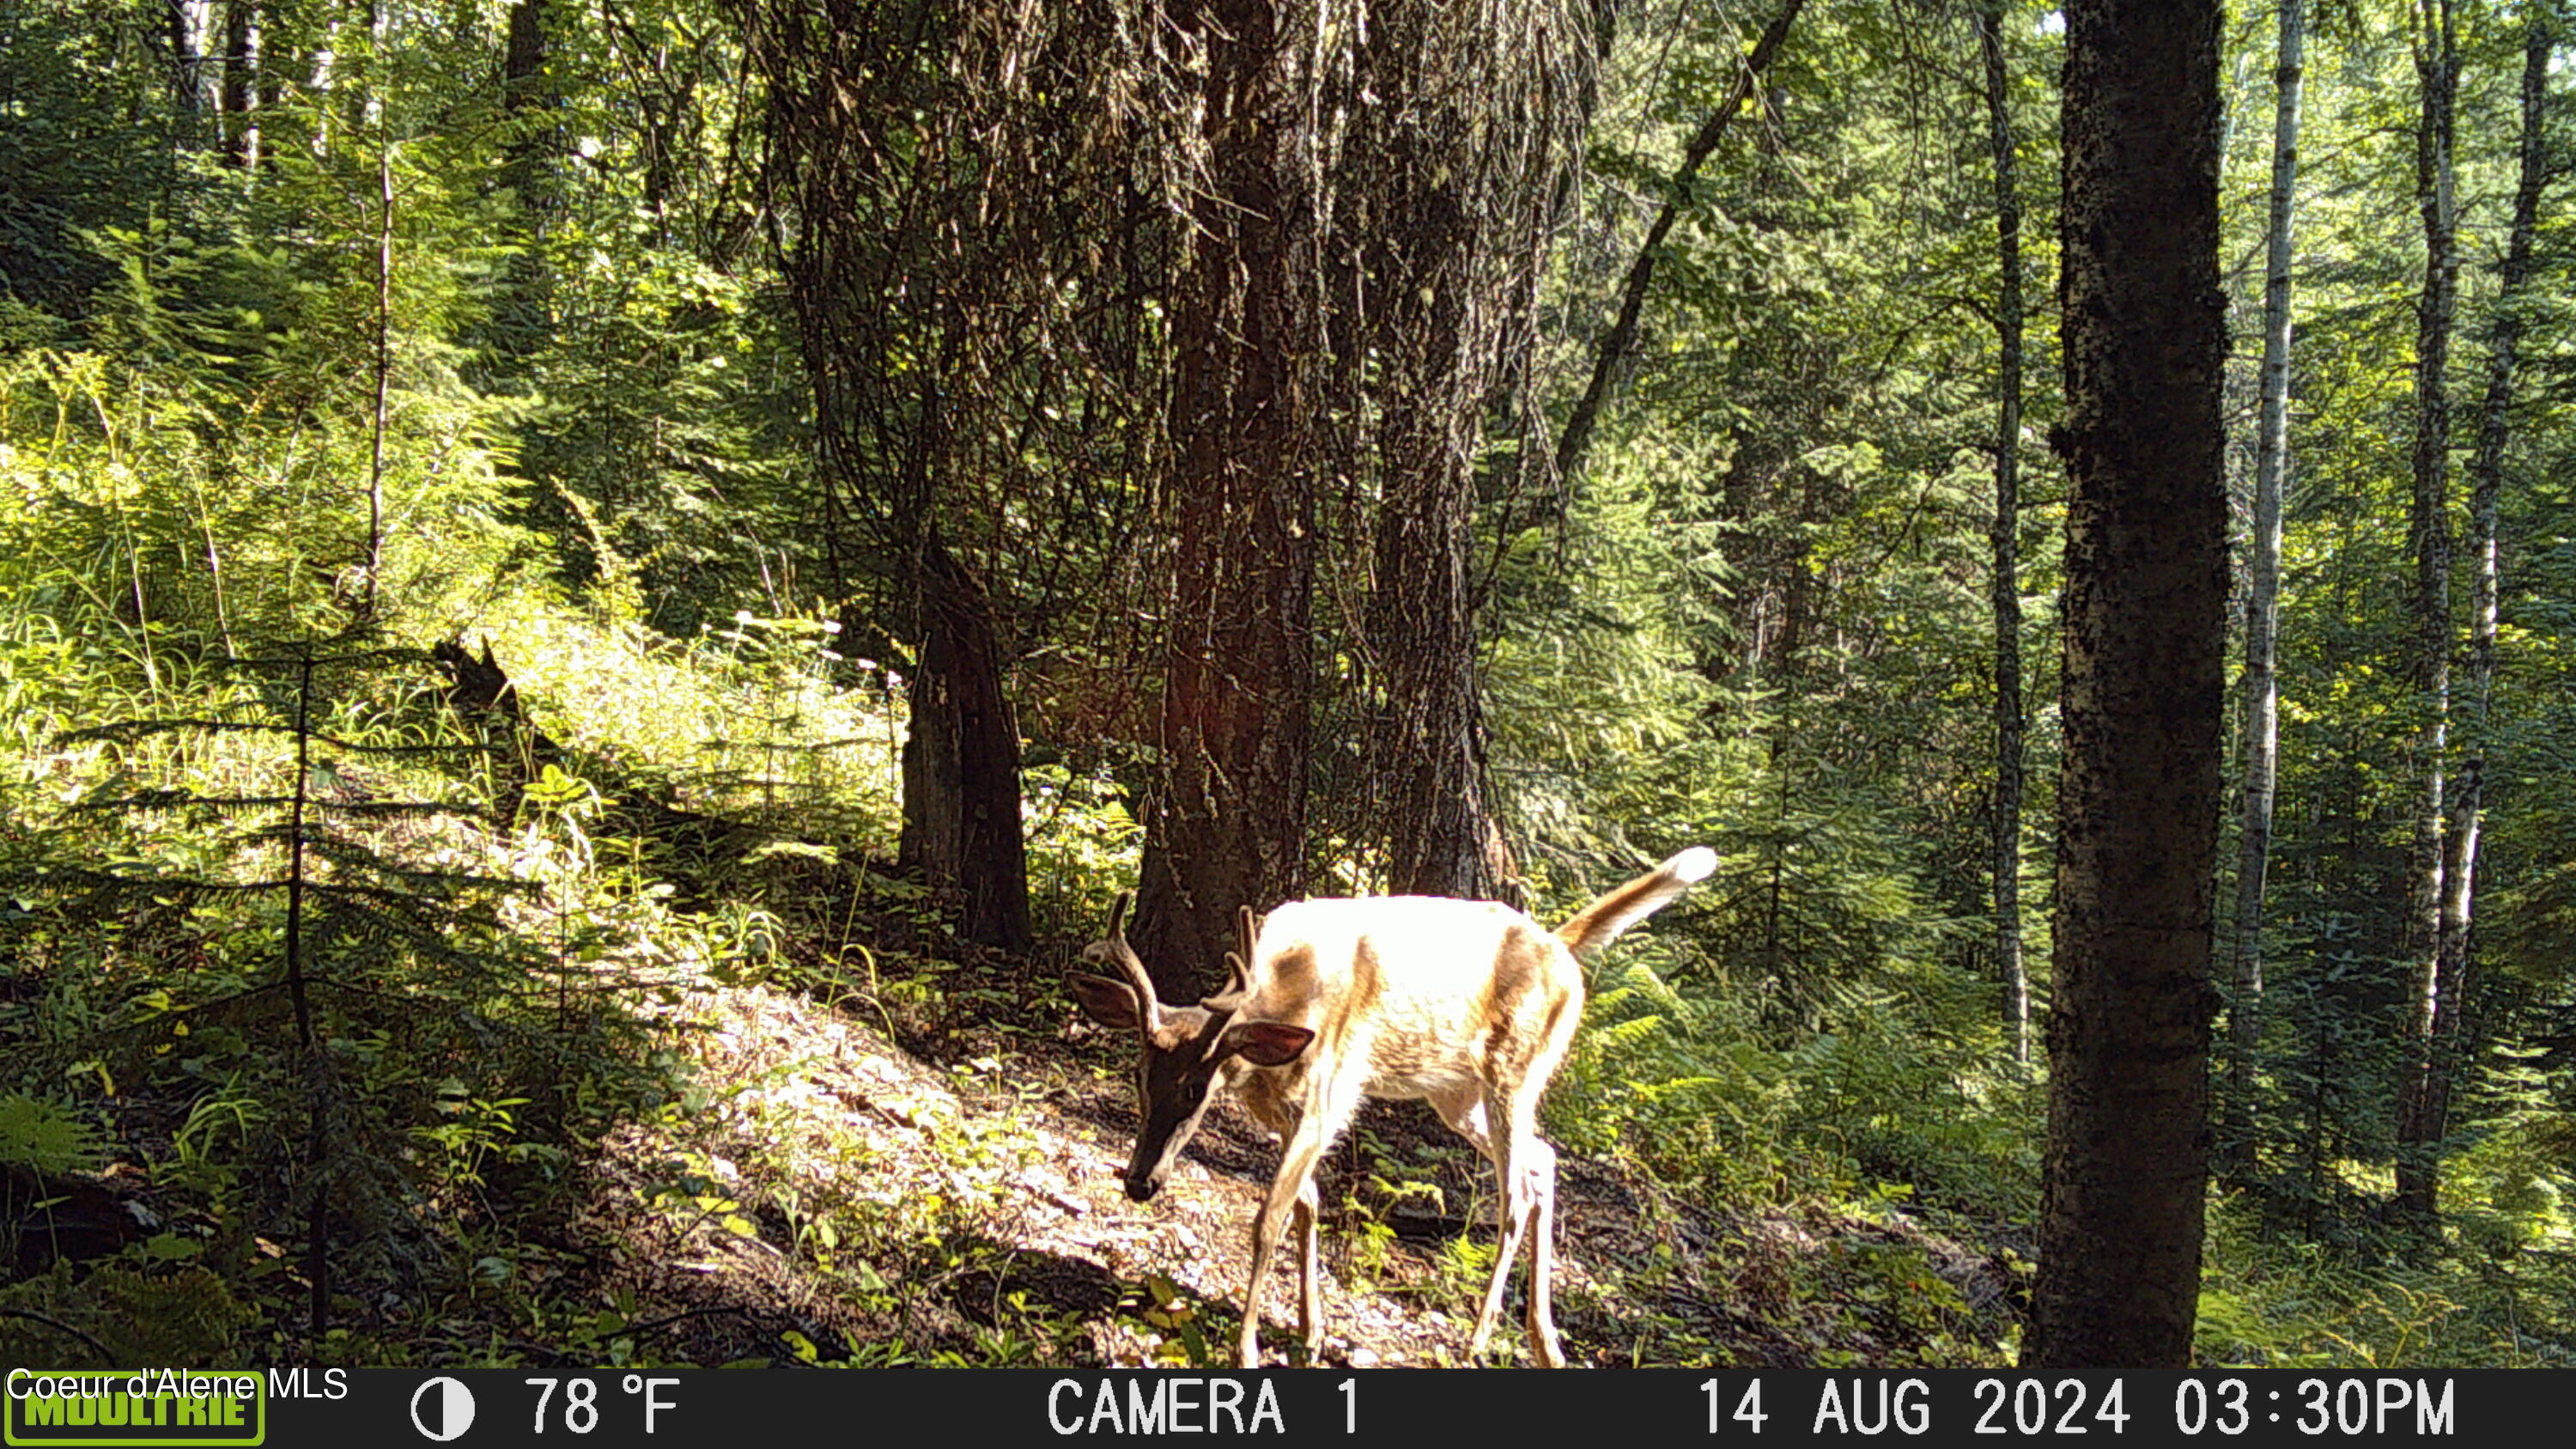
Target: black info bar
383	1408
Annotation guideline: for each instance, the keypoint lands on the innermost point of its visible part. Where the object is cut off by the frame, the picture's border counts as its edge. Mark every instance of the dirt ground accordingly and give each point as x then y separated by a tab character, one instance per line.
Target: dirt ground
999	1163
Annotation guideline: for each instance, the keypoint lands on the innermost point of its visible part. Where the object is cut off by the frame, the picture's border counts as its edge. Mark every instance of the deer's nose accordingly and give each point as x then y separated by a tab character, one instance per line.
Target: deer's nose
1142	1189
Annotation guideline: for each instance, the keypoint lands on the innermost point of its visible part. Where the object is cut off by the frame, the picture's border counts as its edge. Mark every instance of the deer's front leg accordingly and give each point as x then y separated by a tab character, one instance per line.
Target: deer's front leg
1288	1192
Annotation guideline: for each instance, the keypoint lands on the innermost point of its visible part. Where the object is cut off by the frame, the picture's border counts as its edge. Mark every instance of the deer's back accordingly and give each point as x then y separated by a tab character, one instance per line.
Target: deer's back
1415	994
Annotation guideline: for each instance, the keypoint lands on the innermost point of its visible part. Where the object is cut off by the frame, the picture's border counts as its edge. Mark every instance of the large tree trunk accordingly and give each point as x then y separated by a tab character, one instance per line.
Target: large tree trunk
2146	593
1227	826
961	761
1450	197
2448	1047
2428	655
1427	761
2263	602
1429	758
2004	578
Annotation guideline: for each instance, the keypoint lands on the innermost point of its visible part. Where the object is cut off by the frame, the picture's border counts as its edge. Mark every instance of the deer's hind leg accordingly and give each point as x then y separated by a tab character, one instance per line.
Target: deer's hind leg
1469	1112
1508	1109
1540	1172
1510	1150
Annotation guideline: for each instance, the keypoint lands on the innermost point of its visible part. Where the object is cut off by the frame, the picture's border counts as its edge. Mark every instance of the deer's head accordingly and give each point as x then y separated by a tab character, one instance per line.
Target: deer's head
1185	1048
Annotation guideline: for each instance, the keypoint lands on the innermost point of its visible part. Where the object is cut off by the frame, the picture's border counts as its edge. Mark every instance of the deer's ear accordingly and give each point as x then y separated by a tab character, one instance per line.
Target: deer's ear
1264	1043
1111	1003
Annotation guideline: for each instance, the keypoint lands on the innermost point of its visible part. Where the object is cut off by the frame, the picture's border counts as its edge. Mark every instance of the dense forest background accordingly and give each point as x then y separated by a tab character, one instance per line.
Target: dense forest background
541	540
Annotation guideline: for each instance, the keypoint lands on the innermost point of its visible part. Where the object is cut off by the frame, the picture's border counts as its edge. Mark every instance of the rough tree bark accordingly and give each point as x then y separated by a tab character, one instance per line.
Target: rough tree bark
961	760
2448	1049
2146	593
2263	601
1427	762
1429	758
2004	577
1227	824
2428	653
1447	201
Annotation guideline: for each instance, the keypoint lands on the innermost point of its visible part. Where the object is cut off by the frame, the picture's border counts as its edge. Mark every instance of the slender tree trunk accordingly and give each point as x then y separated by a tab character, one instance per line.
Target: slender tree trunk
524	303
2448	1049
384	370
324	77
1227	826
524	91
2437	68
1576	440
2004	578
317	1252
2144	686
961	760
2263	602
380	22
241	84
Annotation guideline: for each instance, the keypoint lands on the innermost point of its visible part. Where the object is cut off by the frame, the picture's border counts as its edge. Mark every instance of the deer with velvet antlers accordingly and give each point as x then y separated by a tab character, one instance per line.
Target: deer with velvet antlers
1467	1004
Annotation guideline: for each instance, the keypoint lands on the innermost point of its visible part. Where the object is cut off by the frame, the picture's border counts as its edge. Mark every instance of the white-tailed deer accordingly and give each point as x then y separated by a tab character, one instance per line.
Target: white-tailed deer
1467	1004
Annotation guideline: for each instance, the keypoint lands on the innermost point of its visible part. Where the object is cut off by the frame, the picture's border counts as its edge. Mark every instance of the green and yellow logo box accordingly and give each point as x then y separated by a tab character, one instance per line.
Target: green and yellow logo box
48	1407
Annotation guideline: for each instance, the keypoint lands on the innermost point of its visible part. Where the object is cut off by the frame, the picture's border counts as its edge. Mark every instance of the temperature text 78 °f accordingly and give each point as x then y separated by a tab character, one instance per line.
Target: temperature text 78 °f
579	1411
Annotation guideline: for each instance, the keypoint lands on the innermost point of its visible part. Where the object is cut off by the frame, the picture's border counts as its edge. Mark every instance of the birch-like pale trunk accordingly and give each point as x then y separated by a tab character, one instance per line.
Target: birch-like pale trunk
2486	480
2263	600
193	77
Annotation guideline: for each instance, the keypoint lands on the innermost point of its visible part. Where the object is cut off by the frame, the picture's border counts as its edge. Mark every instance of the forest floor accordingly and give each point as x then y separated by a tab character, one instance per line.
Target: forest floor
889	1188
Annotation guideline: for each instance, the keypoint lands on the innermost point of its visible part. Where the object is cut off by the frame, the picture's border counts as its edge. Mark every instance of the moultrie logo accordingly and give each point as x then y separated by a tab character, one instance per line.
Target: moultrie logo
98	1407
